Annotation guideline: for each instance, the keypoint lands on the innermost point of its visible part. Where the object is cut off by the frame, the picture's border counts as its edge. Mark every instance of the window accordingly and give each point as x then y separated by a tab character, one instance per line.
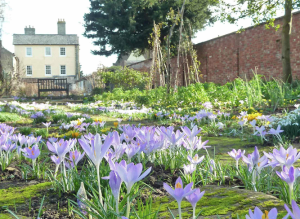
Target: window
28	51
48	69
62	51
47	51
62	69
29	70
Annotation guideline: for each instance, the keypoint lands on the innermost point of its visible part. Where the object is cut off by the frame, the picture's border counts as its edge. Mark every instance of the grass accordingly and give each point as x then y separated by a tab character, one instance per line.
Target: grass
9	117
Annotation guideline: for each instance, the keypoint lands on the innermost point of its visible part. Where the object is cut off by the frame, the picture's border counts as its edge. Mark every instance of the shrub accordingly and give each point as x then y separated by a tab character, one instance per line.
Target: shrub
126	78
9	117
25	130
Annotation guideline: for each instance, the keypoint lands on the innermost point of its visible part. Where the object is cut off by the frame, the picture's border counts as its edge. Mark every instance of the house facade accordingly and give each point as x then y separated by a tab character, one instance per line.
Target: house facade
47	55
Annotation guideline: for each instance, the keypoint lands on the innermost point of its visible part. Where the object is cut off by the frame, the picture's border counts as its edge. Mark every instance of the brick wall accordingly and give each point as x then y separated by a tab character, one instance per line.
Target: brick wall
238	54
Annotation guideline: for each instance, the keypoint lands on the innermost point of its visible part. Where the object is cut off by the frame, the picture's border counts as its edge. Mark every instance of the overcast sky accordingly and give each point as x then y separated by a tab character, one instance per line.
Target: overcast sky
43	15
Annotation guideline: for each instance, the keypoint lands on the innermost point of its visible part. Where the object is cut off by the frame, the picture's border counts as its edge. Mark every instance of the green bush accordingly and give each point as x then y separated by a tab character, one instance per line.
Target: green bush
126	78
9	117
41	132
144	100
25	130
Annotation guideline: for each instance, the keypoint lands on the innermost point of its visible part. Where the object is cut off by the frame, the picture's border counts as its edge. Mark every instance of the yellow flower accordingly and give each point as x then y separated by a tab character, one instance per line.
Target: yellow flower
116	124
75	134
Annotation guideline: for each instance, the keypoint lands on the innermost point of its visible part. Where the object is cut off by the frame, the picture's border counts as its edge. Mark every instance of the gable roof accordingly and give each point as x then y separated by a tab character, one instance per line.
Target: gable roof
45	39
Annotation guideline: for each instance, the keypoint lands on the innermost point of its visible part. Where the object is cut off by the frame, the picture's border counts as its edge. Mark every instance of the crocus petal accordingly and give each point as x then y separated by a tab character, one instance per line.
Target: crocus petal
169	189
145	174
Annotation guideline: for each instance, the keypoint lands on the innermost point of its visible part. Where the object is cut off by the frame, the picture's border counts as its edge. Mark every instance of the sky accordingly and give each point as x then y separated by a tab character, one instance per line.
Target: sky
43	15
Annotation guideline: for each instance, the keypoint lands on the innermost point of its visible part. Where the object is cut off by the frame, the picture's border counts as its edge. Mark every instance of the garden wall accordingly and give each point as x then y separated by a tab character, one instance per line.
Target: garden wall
237	54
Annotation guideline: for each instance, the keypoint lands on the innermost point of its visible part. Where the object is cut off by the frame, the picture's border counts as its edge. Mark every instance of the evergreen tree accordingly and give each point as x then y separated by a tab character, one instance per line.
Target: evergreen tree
122	26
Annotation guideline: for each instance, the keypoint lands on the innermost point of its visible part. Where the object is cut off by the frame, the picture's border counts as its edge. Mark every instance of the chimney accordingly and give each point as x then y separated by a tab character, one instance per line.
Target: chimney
29	30
61	27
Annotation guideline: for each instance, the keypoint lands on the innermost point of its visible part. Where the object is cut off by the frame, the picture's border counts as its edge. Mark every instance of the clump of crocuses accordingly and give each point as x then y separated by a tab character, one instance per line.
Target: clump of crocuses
180	192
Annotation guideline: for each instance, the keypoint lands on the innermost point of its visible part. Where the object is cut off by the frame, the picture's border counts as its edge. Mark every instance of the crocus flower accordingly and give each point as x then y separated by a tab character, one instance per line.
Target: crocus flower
283	157
194	198
81	194
195	160
179	192
191	133
277	131
47	124
130	174
57	161
289	176
61	148
52	139
96	153
236	154
75	157
296	211
131	150
189	169
115	185
31	152
258	214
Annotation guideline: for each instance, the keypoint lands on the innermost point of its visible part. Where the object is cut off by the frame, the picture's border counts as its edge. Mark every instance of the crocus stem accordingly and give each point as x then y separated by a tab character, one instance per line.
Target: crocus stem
194	212
100	193
33	164
117	205
56	170
128	204
65	174
291	187
179	209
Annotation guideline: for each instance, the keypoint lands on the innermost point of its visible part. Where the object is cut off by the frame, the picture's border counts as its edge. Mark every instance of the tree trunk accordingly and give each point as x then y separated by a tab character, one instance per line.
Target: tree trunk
286	32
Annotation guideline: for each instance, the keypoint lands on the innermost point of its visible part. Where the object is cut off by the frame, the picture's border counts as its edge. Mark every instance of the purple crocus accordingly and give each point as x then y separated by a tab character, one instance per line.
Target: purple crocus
191	133
57	161
47	124
189	169
130	174
31	152
283	157
75	157
52	139
296	211
115	185
194	198
258	214
275	132
289	175
196	159
61	148
179	192
131	150
236	154
96	152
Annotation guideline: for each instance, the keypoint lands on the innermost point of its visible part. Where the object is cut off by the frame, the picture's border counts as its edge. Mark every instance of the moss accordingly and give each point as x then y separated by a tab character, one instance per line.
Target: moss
9	216
225	202
18	195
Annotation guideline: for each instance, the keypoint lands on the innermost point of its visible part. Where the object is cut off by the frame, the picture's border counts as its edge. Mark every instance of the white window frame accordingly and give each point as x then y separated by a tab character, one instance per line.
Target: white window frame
60	51
26	51
46	51
27	70
46	70
65	70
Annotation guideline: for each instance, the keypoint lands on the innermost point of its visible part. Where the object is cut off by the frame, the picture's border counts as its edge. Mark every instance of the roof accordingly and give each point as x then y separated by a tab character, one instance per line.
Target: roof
45	39
3	50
